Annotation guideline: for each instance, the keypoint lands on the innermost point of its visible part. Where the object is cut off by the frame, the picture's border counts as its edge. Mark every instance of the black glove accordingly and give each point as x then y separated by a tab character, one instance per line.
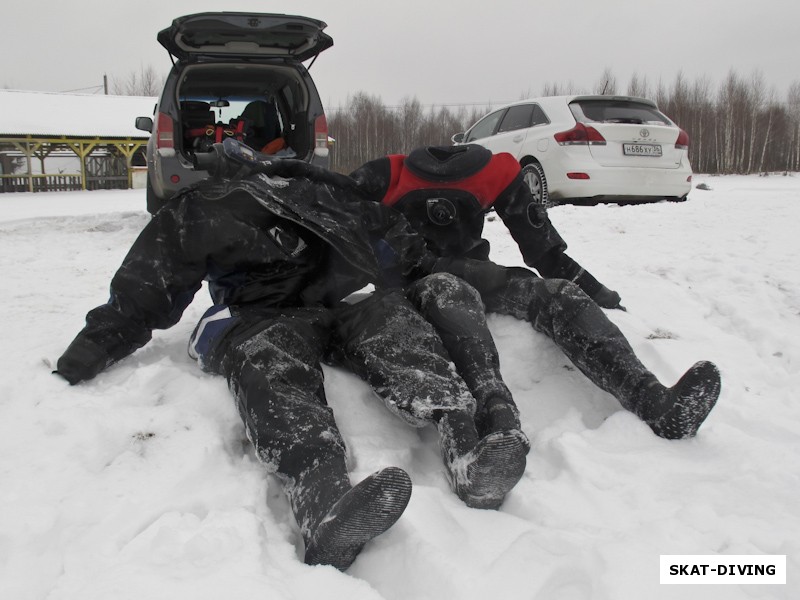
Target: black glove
602	296
606	298
83	360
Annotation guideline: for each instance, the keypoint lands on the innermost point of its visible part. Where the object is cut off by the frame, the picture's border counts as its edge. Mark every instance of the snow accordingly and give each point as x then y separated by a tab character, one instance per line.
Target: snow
140	484
46	113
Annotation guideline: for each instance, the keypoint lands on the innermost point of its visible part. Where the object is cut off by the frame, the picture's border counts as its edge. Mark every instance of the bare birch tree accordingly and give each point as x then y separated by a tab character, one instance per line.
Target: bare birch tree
144	82
638	86
793	111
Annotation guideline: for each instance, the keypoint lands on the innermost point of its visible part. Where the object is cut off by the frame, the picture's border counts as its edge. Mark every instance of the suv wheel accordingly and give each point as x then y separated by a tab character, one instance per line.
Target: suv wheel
533	174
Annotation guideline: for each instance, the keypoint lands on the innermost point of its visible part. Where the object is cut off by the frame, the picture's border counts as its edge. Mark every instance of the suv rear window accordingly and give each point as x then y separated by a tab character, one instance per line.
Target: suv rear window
220	94
616	111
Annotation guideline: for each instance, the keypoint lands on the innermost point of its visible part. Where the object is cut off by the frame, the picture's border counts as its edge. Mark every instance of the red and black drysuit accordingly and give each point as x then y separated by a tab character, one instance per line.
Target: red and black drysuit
279	255
445	194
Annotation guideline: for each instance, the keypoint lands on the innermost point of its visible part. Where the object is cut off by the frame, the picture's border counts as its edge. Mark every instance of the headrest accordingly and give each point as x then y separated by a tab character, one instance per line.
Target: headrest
195	106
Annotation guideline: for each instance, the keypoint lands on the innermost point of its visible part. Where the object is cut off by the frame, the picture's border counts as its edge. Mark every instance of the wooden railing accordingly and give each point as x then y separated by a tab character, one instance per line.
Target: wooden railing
59	183
107	182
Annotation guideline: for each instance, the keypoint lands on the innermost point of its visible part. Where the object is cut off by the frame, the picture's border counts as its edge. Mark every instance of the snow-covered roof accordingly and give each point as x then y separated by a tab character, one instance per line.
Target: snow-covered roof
73	115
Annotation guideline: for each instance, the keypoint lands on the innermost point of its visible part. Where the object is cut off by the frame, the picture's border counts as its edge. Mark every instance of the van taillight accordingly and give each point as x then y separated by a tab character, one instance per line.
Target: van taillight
321	132
682	143
580	135
165	132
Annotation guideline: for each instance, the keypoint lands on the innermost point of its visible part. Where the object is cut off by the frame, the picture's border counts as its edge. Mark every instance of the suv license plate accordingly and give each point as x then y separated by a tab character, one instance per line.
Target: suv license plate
641	149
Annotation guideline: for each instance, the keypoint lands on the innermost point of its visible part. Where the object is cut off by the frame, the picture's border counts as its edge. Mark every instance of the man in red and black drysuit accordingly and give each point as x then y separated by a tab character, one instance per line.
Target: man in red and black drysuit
446	192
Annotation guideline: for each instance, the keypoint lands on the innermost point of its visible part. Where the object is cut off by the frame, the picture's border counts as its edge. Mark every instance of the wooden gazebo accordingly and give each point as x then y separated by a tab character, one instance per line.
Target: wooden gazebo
57	142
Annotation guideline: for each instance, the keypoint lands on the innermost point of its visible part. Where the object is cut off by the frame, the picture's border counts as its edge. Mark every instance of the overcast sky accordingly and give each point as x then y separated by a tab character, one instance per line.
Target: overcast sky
441	51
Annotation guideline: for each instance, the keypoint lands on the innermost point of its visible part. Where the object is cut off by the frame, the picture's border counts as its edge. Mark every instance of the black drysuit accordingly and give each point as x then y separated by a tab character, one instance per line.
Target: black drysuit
279	255
446	192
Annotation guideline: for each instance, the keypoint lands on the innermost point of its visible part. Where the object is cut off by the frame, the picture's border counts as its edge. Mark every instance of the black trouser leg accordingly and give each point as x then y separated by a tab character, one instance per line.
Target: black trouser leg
273	369
456	311
385	341
562	311
388	343
272	362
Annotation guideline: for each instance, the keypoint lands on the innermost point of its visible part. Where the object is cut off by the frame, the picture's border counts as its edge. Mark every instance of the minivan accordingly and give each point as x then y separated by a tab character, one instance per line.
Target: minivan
238	75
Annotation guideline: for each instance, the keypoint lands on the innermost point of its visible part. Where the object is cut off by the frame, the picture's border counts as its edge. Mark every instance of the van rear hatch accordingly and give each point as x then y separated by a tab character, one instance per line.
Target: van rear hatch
233	34
636	133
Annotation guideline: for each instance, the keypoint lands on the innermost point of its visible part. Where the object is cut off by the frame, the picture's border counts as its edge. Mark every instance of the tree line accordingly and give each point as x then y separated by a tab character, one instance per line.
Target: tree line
739	126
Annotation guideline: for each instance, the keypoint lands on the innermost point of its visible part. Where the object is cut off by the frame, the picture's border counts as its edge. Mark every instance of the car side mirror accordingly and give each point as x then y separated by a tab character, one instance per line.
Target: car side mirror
457	138
145	124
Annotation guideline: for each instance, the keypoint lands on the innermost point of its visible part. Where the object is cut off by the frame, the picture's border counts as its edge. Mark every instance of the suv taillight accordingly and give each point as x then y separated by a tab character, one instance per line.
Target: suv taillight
682	143
165	132
580	135
321	132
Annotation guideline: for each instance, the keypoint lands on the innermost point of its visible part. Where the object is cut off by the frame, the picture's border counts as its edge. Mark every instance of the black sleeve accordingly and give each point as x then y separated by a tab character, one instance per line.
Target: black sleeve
372	179
401	252
155	283
528	223
542	246
557	264
291	168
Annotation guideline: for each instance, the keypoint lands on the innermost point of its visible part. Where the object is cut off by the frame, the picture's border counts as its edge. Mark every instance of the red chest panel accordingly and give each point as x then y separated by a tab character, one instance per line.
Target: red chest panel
485	185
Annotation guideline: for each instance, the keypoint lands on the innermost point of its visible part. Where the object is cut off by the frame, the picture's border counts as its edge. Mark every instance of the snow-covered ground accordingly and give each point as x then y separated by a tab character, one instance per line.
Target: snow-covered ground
140	484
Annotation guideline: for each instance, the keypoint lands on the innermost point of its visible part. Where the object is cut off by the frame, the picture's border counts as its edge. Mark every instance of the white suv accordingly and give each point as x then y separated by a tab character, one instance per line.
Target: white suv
590	149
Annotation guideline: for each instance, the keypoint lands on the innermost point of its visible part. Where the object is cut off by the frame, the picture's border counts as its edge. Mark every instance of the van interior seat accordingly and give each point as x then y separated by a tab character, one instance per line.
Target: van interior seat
262	124
195	113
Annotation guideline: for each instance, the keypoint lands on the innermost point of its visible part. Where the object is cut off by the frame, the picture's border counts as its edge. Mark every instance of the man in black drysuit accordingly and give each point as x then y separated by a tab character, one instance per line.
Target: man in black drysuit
279	255
445	194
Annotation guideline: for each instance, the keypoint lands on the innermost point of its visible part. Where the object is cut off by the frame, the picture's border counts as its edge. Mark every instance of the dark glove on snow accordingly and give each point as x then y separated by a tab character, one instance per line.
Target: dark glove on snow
606	298
602	296
484	275
83	360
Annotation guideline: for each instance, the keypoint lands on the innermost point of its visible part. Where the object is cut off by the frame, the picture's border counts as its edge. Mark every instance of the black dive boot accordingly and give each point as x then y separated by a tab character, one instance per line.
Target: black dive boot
676	413
481	472
500	414
335	519
364	512
599	349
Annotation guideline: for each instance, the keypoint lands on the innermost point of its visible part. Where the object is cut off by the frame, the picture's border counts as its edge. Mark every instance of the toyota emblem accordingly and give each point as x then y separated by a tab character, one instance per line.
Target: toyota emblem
645	133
